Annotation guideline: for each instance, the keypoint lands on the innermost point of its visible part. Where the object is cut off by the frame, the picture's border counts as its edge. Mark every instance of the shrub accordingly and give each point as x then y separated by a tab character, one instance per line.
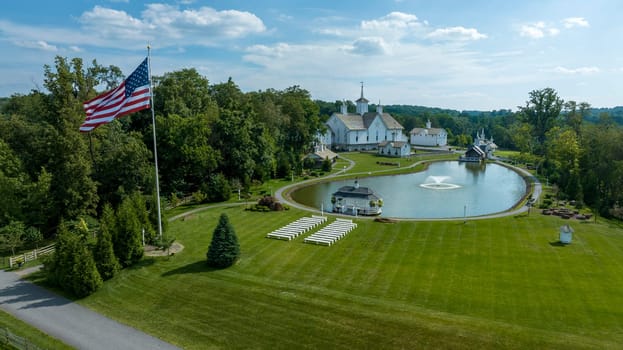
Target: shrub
326	164
267	201
199	197
175	200
218	188
32	235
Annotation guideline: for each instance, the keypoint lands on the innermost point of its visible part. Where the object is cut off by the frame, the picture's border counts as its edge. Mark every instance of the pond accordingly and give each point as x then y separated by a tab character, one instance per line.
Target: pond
447	189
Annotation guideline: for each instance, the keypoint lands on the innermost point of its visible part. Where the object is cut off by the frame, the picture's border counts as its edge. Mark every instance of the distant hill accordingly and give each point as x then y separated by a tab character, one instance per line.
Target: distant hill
616	113
408	110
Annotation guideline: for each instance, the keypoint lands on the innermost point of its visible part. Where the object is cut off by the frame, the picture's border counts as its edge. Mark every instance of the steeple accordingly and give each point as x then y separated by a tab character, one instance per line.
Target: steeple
362	103
379	108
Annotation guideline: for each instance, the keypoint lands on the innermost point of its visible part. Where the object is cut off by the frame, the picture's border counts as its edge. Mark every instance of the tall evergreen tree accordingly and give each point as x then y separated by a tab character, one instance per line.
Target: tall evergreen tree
224	249
72	267
103	253
127	241
86	279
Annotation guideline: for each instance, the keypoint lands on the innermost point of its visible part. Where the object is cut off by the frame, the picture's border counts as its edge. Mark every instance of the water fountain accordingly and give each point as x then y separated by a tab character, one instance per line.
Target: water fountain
437	183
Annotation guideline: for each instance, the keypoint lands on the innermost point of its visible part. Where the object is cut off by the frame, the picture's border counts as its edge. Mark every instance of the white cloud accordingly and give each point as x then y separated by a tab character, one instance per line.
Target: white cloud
539	30
369	46
393	20
553	31
456	33
393	26
39	45
109	23
572	22
75	48
168	25
576	71
205	20
534	30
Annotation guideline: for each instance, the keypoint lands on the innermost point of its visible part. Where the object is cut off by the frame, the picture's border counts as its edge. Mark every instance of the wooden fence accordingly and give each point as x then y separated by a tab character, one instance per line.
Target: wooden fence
30	256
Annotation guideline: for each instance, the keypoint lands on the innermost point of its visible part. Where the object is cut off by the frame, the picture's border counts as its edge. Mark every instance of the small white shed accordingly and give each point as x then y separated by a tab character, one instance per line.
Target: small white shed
566	233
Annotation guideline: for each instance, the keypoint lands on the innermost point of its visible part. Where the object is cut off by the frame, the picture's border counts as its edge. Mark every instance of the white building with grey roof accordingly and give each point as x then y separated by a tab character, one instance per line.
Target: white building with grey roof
363	130
428	136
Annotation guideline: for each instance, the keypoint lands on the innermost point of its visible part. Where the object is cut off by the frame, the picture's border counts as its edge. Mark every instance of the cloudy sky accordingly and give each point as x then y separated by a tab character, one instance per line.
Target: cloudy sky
473	54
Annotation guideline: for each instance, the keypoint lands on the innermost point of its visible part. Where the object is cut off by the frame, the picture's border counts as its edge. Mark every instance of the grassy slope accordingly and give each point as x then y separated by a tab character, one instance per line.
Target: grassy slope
32	334
490	283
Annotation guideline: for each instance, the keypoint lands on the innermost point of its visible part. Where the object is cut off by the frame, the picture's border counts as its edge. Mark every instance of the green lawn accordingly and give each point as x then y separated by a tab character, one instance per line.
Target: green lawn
500	283
367	162
26	331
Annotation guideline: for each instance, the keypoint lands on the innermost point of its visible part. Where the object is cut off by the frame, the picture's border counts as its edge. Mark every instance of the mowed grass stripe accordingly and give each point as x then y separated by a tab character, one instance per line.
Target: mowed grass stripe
486	284
400	269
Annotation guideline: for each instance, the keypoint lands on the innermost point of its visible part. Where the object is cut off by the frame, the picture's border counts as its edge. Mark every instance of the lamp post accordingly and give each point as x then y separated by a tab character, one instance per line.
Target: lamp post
465	214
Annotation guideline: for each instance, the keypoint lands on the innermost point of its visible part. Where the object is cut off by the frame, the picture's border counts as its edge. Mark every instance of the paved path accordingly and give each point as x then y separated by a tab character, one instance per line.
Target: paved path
67	321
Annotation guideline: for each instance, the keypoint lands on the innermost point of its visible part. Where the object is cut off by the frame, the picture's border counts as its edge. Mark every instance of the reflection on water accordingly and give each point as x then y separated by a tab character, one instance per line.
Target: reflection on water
481	189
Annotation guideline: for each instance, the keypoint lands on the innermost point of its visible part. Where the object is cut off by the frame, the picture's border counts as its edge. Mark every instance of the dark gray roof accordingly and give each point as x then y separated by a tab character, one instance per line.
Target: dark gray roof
476	149
354	192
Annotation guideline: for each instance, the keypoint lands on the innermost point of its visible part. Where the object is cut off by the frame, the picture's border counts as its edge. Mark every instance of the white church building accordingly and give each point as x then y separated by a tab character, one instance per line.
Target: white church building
428	136
363	130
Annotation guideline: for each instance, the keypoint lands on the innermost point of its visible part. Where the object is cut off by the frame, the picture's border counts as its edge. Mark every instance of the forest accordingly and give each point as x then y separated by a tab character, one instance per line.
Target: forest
213	138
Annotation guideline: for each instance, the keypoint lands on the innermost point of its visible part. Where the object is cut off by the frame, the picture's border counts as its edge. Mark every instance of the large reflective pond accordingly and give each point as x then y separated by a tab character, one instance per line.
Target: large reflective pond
448	189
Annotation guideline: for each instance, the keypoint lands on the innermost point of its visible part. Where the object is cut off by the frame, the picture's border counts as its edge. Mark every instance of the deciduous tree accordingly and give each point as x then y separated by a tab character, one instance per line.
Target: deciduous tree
541	111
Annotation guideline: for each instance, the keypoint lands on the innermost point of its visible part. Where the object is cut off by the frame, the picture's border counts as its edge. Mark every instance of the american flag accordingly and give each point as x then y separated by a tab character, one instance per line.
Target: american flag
131	96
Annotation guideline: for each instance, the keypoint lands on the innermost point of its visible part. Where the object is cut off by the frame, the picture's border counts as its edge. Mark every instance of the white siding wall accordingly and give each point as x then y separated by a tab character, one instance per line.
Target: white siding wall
429	140
377	128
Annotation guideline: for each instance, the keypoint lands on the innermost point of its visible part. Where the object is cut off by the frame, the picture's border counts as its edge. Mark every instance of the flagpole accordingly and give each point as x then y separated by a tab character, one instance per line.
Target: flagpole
153	123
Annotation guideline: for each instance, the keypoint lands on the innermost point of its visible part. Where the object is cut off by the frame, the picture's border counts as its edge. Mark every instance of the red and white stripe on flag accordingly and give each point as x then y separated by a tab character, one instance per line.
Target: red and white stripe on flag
131	96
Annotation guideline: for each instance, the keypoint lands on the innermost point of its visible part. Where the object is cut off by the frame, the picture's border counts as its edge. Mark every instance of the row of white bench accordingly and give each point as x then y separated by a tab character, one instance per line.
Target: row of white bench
298	227
332	232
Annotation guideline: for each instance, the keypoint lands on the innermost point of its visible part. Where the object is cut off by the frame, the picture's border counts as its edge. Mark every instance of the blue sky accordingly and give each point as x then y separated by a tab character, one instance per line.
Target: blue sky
475	54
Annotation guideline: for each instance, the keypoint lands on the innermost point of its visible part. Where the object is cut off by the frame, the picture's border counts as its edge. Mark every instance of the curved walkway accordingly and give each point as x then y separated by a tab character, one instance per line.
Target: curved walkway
67	321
